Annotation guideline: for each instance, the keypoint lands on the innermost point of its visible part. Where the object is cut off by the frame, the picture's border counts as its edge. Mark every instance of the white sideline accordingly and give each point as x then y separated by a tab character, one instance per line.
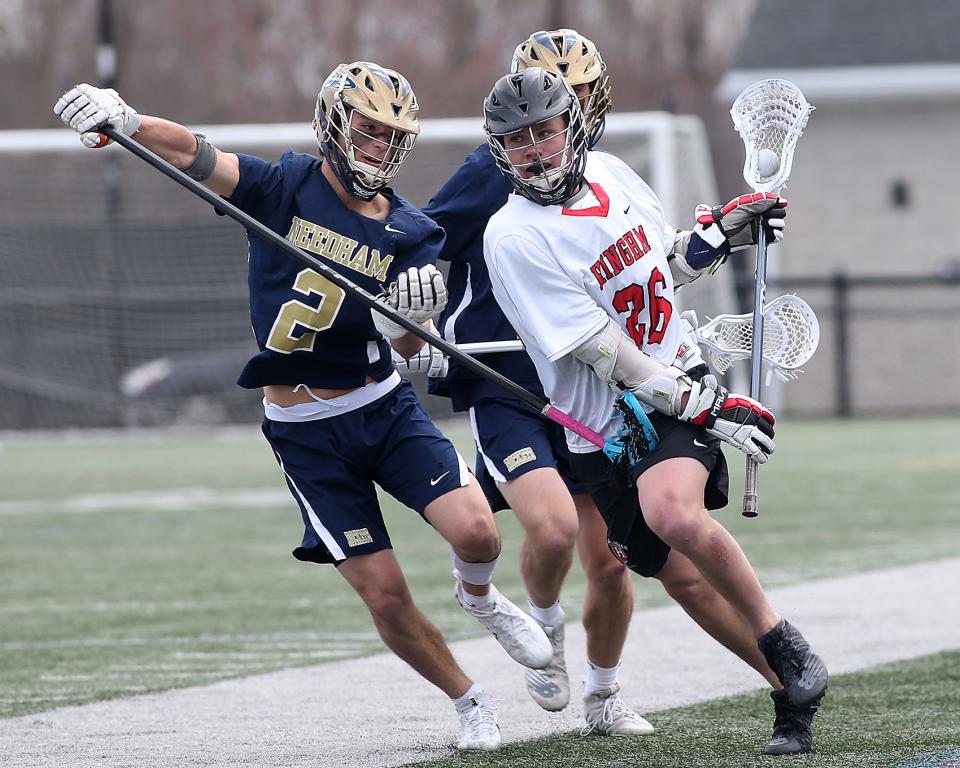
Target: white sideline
377	712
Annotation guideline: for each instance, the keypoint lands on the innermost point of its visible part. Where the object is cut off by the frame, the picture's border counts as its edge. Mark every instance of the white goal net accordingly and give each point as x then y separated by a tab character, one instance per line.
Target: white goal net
126	303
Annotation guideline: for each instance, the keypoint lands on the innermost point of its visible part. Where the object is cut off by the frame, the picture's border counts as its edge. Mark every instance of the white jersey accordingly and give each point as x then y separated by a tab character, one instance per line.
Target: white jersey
560	273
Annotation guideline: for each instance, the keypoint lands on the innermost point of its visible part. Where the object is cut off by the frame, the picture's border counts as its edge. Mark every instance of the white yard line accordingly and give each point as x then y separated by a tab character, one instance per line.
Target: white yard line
174	500
375	712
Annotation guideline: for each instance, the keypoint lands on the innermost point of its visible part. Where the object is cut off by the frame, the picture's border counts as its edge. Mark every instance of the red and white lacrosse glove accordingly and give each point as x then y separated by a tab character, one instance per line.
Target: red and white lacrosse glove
418	294
85	107
725	229
735	419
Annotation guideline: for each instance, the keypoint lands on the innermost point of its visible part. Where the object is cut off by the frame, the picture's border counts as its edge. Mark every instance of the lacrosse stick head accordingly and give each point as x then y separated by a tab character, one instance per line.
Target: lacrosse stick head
791	334
770	116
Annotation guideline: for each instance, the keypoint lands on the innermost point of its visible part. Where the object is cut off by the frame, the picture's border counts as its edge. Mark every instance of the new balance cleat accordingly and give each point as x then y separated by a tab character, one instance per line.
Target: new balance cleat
802	672
550	686
478	724
791	727
519	634
607	715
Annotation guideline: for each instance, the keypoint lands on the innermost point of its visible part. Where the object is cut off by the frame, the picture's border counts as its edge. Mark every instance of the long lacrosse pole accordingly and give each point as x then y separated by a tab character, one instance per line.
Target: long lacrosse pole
756	363
223	206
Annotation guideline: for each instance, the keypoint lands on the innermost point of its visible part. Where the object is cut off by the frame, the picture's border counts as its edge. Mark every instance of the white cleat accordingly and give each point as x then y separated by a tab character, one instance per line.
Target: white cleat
550	686
478	725
516	631
607	715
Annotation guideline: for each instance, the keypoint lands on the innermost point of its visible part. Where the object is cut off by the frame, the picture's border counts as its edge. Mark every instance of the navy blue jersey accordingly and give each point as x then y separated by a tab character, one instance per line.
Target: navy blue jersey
462	207
309	330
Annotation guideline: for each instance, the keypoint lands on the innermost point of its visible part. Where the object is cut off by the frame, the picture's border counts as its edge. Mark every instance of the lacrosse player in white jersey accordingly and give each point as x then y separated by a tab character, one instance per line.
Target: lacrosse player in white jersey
522	459
584	267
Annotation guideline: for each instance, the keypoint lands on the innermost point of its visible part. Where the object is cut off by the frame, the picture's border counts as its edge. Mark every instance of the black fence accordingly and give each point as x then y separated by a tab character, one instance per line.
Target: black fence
889	344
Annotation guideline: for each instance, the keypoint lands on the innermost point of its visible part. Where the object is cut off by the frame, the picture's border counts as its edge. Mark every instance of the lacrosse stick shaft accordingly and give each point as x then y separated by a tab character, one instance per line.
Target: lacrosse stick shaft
489	347
756	364
252	225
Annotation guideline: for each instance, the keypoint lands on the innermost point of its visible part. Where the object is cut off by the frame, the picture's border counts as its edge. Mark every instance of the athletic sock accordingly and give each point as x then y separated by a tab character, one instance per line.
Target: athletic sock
549	617
469	698
600	678
483	602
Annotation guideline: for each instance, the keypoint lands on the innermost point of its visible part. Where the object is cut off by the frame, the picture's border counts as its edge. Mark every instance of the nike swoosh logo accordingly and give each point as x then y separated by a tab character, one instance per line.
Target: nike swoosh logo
391	229
698	443
435	480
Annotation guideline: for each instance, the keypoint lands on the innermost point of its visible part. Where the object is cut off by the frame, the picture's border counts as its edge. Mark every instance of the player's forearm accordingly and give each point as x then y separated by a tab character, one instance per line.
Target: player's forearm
178	145
175	143
408	345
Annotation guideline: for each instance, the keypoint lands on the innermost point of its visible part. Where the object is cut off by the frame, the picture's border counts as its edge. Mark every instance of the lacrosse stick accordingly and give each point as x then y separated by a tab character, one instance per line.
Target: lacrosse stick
791	334
769	115
616	449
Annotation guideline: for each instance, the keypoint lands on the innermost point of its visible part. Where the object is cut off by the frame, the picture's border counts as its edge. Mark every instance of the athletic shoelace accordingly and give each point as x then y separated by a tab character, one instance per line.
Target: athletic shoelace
612	712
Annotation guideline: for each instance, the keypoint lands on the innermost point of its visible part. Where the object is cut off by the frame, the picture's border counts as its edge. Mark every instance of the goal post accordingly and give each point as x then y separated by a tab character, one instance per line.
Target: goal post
127	304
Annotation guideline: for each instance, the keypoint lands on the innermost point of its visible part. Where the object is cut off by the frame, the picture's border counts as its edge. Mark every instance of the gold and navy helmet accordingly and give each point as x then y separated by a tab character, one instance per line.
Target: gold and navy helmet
568	53
380	95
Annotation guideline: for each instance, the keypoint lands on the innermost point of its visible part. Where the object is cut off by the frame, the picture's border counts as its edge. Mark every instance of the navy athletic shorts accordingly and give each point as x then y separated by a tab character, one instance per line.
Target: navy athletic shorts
628	536
331	466
513	438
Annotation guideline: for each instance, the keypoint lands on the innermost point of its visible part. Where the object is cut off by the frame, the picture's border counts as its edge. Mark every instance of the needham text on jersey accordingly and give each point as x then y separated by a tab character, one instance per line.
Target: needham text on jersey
336	247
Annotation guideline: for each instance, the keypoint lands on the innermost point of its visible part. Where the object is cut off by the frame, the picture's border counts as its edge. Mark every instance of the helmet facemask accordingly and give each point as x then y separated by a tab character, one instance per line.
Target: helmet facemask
595	108
366	126
544	158
552	164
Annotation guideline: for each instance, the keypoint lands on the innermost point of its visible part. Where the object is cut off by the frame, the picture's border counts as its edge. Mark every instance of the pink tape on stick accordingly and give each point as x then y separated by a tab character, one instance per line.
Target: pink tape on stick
555	414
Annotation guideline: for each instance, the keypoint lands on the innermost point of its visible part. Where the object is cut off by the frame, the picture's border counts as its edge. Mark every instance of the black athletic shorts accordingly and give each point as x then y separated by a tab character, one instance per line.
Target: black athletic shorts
628	536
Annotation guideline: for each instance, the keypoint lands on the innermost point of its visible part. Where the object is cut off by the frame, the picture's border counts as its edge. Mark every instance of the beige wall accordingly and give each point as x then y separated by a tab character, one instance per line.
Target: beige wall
841	215
903	341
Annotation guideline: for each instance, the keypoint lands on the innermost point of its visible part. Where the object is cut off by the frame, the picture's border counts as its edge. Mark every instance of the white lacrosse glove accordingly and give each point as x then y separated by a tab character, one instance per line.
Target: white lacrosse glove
418	294
384	324
428	360
736	419
85	107
421	293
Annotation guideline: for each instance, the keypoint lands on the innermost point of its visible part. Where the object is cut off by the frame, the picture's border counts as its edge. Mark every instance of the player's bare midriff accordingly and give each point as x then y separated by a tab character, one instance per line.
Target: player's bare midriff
285	396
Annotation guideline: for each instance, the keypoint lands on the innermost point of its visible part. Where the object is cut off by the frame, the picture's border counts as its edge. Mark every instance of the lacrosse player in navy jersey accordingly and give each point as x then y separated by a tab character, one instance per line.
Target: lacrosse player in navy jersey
337	414
584	268
529	457
522	460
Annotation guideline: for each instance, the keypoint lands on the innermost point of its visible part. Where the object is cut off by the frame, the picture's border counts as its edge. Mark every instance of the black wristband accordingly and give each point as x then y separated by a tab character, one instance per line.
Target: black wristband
203	164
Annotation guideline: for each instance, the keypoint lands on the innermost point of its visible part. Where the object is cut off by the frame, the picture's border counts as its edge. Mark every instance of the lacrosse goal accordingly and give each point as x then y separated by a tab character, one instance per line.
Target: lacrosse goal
127	304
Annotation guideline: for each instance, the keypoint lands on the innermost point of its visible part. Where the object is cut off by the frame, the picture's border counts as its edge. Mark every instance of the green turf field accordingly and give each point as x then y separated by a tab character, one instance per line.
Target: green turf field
895	716
148	561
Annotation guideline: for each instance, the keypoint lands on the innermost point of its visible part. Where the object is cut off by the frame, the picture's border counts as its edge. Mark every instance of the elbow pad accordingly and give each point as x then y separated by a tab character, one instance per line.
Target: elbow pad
617	360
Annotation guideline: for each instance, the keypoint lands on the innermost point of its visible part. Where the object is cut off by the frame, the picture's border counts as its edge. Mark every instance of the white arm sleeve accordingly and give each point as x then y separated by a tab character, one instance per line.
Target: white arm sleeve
616	359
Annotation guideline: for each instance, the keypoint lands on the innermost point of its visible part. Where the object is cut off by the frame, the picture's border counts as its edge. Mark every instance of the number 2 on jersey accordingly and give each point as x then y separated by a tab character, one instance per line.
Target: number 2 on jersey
294	314
634	298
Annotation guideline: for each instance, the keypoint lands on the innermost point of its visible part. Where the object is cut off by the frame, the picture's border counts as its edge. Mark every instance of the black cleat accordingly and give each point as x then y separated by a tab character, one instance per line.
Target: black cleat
802	672
791	728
